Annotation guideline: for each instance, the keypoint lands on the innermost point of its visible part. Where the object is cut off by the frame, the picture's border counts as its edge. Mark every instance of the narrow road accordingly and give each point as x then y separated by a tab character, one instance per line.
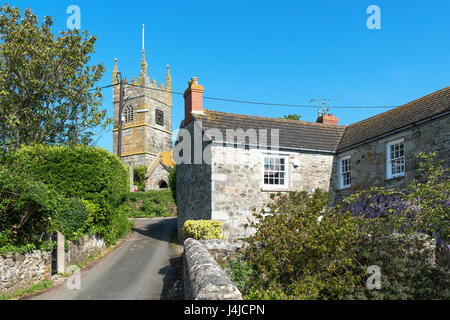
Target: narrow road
136	270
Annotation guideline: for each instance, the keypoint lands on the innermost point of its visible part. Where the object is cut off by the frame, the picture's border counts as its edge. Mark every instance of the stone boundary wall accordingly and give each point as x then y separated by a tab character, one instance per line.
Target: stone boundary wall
204	279
81	249
19	271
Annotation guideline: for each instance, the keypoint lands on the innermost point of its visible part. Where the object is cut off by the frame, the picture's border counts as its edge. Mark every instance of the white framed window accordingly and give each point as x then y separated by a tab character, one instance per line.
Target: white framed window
395	157
275	172
345	172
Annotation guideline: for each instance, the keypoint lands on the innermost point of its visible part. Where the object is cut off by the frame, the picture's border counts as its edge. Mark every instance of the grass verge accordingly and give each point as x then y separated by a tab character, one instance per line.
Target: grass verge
36	287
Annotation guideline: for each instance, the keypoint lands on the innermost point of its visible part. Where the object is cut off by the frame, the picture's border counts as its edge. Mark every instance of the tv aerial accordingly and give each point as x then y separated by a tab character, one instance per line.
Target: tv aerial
323	103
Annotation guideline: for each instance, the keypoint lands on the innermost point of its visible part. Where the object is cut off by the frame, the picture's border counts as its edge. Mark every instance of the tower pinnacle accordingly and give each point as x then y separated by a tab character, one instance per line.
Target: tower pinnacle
143	74
169	84
115	77
143	29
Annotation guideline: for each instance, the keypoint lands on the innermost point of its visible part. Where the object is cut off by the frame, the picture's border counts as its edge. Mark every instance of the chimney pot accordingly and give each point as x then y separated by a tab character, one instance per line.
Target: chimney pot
327	119
193	99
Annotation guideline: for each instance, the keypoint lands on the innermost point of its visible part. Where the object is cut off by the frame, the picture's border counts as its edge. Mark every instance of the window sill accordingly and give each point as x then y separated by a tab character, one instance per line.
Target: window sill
395	177
274	189
344	188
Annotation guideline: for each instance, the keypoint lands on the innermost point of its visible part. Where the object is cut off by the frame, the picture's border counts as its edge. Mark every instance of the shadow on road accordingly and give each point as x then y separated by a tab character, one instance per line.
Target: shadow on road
156	230
173	280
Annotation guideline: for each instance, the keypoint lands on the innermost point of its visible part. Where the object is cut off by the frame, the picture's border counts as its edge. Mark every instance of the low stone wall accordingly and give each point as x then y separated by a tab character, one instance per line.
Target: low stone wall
222	248
81	249
204	279
19	271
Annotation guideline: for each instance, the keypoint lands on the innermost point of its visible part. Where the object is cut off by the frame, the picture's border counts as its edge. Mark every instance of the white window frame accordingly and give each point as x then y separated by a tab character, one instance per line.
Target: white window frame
341	173
275	187
389	174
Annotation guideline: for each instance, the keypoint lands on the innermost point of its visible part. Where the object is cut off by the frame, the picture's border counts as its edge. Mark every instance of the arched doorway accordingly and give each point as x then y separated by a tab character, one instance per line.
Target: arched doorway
163	185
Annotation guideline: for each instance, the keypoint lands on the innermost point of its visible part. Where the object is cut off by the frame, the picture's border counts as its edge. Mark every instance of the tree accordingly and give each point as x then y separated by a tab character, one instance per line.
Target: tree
46	84
292	116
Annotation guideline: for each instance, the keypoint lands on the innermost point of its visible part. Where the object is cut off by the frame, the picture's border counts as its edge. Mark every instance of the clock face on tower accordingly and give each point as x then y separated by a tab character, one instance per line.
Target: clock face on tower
159	117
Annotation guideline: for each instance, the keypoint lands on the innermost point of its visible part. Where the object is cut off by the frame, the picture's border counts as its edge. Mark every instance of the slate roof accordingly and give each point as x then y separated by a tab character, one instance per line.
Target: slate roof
423	108
328	137
292	133
163	158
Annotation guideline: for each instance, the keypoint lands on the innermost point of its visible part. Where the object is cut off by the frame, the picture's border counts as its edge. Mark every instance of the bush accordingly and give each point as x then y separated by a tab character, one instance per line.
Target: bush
76	190
25	208
300	250
202	229
69	217
173	183
139	173
406	272
423	207
118	228
82	172
153	203
240	273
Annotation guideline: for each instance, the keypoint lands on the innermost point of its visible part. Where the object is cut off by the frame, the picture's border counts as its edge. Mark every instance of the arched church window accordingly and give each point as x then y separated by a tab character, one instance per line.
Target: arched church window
129	114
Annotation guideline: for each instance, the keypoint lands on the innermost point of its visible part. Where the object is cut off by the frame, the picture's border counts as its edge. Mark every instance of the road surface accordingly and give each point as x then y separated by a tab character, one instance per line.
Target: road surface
138	269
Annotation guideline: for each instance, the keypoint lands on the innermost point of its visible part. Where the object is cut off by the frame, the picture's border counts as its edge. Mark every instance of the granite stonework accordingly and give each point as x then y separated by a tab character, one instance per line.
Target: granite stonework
222	249
143	136
369	160
81	249
237	183
158	180
228	184
19	271
193	185
204	279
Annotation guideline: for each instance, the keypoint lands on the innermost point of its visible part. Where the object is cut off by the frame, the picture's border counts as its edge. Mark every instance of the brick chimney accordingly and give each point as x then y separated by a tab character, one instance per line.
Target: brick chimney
327	118
193	99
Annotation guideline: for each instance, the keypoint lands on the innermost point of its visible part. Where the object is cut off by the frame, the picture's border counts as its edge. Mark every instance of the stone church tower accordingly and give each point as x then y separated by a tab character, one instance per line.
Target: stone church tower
146	117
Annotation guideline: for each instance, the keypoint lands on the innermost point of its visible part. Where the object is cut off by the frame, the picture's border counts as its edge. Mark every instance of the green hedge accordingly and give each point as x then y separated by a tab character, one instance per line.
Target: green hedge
154	203
82	172
77	190
25	208
173	182
139	177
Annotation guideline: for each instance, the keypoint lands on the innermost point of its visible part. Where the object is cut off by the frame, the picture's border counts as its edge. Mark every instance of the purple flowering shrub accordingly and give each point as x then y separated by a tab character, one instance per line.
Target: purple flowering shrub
423	207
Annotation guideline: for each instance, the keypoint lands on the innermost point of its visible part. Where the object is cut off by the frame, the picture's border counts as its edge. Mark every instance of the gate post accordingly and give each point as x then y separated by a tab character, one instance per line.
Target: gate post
58	255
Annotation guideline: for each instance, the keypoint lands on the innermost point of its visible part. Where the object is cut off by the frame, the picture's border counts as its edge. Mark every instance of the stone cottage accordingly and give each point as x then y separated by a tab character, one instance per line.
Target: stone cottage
229	164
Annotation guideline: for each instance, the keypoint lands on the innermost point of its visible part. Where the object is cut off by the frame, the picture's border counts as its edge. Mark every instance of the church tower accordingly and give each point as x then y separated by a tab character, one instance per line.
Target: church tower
146	116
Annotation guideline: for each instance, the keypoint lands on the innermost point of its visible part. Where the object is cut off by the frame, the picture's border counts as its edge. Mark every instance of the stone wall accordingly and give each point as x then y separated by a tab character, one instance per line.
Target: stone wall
160	174
369	160
237	186
193	190
81	249
19	271
203	277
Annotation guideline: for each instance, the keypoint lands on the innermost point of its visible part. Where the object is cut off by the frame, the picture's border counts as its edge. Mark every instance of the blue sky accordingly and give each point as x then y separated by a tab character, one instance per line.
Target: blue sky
271	51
